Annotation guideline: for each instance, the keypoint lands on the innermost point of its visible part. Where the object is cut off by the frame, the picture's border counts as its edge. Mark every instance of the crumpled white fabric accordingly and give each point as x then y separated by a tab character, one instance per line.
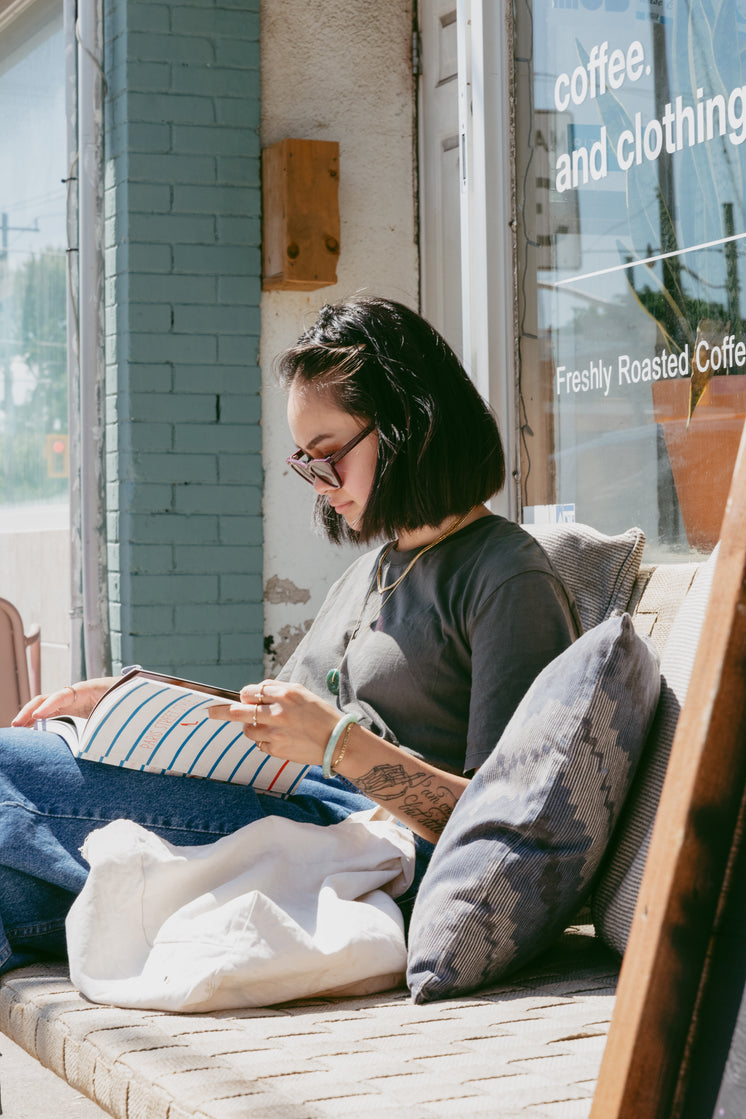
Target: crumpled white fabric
279	910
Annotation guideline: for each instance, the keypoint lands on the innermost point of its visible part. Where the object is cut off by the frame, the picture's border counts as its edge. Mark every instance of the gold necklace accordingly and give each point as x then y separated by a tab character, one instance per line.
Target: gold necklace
332	676
392	586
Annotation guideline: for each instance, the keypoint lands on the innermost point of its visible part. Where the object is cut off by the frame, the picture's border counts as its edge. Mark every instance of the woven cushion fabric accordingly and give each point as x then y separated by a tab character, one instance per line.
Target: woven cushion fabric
522	845
598	570
616	890
657	596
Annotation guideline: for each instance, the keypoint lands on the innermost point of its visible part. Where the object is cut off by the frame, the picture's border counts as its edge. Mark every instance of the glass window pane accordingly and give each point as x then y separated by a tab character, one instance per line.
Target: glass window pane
33	373
631	128
34	518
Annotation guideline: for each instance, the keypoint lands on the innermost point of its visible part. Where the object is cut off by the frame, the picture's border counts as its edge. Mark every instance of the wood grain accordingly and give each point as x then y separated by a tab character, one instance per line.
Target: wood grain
661	973
301	223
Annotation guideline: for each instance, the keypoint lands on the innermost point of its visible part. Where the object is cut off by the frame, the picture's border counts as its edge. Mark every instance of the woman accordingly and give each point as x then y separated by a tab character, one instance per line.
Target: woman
409	673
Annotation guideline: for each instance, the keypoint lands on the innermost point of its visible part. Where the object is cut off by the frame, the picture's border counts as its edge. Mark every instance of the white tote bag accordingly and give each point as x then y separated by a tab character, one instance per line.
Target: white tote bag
279	910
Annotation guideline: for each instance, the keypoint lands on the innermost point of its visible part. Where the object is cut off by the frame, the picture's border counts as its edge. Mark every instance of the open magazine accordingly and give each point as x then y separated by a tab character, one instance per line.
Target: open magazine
159	724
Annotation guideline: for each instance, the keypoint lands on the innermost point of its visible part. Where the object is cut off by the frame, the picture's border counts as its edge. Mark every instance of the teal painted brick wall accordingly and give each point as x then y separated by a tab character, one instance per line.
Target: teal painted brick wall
182	292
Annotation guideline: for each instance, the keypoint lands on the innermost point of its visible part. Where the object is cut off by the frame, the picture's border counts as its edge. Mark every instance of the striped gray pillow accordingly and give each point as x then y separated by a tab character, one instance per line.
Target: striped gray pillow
525	839
598	570
615	893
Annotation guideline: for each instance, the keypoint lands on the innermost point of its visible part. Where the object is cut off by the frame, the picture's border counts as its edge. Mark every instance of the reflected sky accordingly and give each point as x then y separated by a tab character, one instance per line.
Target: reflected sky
32	136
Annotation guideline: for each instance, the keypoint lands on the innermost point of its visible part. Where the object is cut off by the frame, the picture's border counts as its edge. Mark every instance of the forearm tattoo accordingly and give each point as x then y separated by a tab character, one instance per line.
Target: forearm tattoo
420	794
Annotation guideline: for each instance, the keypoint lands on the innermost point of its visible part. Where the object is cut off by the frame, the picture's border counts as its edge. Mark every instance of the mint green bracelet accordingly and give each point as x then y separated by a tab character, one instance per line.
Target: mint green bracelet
331	746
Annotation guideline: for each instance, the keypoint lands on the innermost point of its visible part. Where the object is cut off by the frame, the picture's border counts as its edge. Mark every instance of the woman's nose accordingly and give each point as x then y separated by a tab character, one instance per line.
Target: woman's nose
321	486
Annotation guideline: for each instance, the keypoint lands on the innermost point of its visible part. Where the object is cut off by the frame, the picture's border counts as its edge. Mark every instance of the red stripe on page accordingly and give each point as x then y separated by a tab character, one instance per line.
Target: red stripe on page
279	771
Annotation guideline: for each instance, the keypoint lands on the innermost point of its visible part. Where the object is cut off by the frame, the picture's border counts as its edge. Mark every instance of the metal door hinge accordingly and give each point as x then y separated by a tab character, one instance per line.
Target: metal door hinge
416	53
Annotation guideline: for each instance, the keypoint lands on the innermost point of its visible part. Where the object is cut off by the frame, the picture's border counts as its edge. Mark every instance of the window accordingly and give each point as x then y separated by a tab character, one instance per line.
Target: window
34	534
33	431
631	122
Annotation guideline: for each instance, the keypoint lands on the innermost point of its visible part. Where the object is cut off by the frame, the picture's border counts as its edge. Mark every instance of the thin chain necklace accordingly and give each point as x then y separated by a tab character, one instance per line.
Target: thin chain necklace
332	676
389	590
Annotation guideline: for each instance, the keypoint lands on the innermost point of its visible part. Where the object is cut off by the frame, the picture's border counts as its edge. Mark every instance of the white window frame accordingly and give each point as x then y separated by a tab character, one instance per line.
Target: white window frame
487	221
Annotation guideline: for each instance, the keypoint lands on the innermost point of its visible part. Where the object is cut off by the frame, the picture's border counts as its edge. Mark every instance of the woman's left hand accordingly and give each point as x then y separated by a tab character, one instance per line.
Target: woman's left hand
285	720
288	721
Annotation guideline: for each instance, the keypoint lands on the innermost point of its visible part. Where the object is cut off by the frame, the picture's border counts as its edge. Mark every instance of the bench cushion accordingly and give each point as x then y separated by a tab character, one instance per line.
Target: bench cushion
522	845
615	894
323	1058
657	596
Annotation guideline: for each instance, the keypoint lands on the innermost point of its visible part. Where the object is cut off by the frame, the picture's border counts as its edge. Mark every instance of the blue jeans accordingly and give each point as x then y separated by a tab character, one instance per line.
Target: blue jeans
50	801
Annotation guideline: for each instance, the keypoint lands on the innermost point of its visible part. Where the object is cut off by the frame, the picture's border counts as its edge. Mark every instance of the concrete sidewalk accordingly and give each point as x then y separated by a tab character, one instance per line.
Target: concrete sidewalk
28	1090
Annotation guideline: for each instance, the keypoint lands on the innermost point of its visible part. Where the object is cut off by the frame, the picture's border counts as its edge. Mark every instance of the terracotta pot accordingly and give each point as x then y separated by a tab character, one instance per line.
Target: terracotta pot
702	458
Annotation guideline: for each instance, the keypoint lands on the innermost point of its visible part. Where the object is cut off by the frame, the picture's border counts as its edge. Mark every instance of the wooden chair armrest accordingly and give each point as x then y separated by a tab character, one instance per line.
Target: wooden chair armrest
32	640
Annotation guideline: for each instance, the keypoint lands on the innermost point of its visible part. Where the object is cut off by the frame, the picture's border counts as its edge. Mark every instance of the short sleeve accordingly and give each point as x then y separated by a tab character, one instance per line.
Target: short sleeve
524	625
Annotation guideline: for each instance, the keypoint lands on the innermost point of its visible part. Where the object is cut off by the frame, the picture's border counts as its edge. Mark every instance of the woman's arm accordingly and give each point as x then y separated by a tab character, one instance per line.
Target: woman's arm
291	722
417	793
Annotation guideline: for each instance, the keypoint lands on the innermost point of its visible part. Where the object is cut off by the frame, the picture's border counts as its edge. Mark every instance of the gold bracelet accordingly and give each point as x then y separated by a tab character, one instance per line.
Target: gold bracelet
336	761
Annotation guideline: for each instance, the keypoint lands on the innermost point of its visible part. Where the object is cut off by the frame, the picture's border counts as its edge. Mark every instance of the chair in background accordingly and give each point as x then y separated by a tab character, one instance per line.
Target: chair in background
20	671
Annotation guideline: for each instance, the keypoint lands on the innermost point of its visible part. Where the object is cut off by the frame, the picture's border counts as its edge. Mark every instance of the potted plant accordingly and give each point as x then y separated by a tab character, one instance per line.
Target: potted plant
702	418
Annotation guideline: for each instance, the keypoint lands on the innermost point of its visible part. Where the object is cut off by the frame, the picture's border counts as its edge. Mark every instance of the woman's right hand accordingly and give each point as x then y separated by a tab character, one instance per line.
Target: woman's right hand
76	699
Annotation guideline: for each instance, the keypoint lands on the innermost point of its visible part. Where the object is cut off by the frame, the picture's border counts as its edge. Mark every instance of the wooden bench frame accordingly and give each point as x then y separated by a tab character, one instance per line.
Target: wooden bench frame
643	1070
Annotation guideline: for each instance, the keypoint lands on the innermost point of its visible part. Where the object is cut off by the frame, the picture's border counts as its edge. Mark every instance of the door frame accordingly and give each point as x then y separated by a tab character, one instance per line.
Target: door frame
487	216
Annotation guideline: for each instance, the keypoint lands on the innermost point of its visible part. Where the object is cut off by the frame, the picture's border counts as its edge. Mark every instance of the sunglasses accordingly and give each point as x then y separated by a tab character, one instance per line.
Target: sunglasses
322	469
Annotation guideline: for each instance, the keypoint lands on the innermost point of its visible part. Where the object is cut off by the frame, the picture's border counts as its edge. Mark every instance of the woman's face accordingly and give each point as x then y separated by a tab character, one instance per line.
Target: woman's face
320	427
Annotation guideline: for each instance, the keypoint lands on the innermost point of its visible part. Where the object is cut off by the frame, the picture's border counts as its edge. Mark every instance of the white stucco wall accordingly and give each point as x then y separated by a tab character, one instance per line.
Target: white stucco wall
35	577
332	70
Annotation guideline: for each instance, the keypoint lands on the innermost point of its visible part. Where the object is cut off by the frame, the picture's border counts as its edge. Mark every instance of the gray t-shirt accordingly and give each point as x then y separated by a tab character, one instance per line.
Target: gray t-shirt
441	668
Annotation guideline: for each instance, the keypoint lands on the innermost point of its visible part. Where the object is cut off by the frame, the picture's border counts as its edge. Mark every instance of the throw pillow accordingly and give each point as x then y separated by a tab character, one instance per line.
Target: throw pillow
598	570
615	893
522	845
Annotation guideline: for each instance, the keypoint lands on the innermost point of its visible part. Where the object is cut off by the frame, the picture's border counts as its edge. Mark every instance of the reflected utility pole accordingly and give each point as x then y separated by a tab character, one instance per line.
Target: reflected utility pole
732	283
670	524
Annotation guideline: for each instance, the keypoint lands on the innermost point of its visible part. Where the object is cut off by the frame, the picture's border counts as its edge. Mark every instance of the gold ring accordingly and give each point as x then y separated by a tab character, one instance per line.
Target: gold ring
260	694
256	711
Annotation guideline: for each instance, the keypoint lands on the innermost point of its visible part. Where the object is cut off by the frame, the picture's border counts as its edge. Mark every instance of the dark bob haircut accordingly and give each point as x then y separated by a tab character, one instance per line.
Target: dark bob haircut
439	450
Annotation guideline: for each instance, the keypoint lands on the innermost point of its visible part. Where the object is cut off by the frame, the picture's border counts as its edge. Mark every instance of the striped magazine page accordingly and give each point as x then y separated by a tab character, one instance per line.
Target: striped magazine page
159	724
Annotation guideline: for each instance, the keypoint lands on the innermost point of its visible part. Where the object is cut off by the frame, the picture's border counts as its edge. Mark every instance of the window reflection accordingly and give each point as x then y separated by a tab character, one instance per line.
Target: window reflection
631	128
33	376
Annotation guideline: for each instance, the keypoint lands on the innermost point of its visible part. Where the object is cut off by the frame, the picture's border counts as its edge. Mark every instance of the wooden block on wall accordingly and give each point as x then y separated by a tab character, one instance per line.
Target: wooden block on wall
300	223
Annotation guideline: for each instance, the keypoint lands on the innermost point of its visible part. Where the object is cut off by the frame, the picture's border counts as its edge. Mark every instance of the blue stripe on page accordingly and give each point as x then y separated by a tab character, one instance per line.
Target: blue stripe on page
127	696
170	765
259	770
209	742
251	748
223	753
297	781
146	728
170	729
